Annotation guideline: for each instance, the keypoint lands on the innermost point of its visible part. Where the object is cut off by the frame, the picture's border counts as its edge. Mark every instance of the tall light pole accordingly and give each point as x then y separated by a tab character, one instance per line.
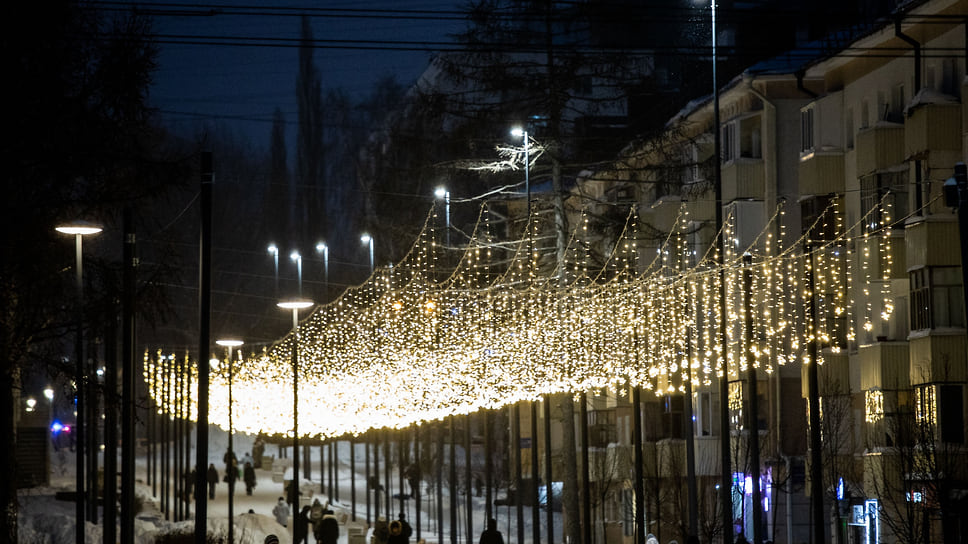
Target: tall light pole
519	132
273	250
295	306
229	344
442	192
297	258
79	229
726	477
321	247
368	240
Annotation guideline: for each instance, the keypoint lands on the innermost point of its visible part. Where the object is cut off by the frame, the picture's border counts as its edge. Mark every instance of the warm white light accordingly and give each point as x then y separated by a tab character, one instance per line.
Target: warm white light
49	393
229	343
321	247
366	238
31	403
273	249
79	227
295	256
517	132
295	304
440	192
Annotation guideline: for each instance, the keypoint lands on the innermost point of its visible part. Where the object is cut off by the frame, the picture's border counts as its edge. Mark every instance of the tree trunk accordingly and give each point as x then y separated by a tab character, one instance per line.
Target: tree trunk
569	472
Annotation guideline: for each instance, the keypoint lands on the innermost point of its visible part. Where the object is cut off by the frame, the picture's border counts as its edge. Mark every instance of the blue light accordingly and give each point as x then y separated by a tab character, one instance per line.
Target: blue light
57	427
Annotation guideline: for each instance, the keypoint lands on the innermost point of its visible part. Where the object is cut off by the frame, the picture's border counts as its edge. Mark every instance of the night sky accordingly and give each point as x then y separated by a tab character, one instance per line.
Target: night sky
207	75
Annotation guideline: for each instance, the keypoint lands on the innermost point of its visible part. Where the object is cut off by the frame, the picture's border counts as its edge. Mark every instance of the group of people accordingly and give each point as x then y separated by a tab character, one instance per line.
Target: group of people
397	531
232	473
317	520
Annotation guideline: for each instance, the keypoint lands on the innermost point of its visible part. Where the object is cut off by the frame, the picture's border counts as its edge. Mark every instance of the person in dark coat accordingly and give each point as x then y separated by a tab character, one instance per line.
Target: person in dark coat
248	476
491	535
400	531
327	530
300	526
258	448
212	478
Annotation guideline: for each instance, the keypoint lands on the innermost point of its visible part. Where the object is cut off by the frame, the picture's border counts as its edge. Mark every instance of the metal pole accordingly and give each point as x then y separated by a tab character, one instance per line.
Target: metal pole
514	412
453	481
128	378
294	485
813	399
586	511
726	476
204	348
535	477
468	476
231	456
80	385
752	416
549	495
110	534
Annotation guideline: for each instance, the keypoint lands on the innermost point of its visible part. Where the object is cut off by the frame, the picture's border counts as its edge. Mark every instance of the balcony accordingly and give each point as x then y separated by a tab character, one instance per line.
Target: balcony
939	356
743	178
822	173
931	242
884	365
932	127
879	147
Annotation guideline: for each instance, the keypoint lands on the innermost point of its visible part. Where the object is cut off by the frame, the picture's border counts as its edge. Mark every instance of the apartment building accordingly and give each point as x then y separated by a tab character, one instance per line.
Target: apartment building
840	159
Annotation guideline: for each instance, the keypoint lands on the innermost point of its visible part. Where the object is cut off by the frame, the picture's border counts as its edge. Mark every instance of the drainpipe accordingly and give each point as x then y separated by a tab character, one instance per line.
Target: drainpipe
918	189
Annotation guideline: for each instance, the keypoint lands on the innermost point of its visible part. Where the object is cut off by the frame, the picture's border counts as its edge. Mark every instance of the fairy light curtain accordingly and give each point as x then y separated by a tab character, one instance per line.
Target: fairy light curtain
448	331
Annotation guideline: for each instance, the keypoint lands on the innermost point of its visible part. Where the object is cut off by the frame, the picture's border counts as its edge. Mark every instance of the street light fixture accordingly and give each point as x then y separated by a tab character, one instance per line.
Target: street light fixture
297	258
443	193
321	247
367	239
230	344
79	229
295	306
274	251
519	132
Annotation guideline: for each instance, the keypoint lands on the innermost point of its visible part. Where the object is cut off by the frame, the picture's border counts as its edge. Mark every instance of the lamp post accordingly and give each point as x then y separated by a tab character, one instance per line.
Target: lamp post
297	258
295	306
229	344
274	251
443	193
321	247
523	134
368	240
79	229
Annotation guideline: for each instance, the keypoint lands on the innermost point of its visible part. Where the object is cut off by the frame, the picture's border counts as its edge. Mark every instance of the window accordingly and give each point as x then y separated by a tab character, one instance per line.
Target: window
728	150
672	415
806	130
896	111
702	411
849	128
936	299
941	407
865	113
873	202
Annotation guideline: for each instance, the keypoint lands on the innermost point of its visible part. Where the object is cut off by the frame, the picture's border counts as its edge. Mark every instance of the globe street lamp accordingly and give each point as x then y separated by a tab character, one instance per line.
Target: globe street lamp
295	306
297	258
274	251
443	193
321	247
367	239
79	229
229	344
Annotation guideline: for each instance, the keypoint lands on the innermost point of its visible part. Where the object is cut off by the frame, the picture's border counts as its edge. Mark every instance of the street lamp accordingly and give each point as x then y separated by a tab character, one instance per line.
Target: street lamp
79	229
297	258
519	132
321	247
443	193
295	306
274	251
229	344
367	239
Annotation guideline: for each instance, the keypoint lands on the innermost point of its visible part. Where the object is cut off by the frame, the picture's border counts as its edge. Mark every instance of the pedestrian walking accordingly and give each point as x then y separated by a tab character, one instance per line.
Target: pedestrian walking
212	478
300	526
258	448
247	459
381	531
491	535
400	531
281	512
327	530
248	476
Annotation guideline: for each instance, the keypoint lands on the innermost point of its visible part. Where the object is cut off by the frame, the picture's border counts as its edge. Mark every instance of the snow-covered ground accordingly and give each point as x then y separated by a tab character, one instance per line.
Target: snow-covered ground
44	519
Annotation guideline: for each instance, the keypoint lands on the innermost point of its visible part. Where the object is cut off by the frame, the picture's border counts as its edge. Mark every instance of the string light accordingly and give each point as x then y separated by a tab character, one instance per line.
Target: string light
420	342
